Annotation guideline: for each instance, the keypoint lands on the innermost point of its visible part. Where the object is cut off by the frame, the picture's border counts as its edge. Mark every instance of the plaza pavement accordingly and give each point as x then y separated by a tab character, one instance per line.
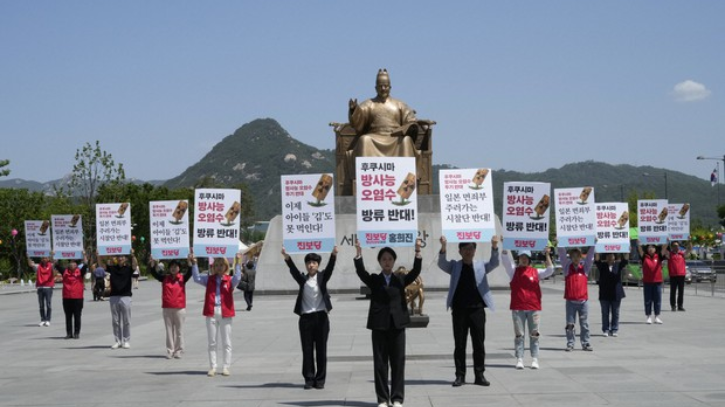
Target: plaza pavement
680	363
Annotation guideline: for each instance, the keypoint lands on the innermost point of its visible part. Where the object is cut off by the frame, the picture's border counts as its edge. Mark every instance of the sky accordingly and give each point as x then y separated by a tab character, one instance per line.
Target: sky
515	85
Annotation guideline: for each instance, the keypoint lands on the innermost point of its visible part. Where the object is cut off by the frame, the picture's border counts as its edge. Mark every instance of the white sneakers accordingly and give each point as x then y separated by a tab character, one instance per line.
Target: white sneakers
519	364
126	345
649	320
535	364
115	346
605	334
44	323
658	320
397	404
383	405
225	372
211	373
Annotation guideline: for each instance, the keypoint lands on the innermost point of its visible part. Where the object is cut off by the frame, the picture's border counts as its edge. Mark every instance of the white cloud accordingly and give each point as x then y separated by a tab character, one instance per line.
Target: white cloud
690	91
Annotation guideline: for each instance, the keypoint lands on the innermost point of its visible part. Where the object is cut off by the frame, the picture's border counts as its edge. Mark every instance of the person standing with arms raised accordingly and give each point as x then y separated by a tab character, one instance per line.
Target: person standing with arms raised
44	283
173	303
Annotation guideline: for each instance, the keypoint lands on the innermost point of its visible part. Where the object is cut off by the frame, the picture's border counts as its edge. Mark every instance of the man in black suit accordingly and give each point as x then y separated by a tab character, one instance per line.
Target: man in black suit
313	304
387	318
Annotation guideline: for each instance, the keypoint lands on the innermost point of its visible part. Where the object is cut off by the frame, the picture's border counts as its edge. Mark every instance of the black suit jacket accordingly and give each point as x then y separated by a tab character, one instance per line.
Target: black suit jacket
322	278
388	309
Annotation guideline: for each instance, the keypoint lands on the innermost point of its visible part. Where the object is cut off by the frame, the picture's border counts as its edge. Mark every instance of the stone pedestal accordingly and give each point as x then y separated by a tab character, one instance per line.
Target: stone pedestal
273	276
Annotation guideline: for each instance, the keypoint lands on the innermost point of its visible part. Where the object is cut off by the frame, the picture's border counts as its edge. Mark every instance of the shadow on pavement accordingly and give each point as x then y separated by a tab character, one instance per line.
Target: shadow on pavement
324	403
182	372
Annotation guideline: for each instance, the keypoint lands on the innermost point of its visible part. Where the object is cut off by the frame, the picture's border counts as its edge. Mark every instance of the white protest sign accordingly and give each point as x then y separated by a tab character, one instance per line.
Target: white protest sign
37	238
387	201
652	221
575	216
612	227
216	222
169	229
678	221
466	198
308	213
526	215
67	236
113	228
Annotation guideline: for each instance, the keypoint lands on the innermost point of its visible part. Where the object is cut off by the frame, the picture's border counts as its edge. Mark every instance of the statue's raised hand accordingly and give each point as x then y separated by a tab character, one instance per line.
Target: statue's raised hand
352	104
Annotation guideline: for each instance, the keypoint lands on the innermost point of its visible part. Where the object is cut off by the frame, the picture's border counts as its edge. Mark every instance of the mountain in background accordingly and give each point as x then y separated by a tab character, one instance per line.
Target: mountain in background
260	151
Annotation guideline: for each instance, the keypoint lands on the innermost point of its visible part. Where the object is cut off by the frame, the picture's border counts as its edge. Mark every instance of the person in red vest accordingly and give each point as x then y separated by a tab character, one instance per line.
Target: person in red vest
44	283
218	307
576	277
526	301
651	281
173	303
73	286
676	265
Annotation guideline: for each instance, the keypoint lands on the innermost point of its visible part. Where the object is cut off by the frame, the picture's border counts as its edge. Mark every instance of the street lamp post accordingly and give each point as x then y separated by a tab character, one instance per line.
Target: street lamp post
719	173
646	174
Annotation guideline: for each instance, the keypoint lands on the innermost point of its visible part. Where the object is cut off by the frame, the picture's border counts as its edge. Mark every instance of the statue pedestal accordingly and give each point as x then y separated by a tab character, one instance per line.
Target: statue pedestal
273	276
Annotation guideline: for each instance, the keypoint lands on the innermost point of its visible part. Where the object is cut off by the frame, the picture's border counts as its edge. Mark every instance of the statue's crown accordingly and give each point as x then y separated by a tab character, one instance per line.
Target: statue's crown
382	73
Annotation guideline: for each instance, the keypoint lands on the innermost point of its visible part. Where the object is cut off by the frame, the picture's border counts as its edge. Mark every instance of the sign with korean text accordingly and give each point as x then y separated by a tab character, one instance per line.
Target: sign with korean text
67	233
387	201
678	221
652	221
308	213
216	222
575	216
612	227
526	215
169	229
113	228
37	238
467	205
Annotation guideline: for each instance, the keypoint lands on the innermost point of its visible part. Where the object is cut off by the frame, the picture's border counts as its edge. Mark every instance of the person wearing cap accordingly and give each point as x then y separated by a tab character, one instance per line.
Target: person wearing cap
651	280
576	277
313	306
526	301
611	291
173	303
468	297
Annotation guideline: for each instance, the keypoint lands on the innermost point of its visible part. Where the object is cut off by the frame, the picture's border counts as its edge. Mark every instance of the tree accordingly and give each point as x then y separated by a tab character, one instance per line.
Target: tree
94	168
16	206
4	172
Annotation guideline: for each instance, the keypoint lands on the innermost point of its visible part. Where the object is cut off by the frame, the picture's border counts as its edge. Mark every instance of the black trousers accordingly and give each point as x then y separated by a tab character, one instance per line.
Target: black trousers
314	331
677	284
249	298
98	289
471	320
72	308
389	348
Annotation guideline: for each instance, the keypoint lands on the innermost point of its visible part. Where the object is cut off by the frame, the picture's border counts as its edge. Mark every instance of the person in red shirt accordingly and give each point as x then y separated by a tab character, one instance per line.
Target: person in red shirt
526	301
576	294
44	283
73	286
651	281
676	265
173	303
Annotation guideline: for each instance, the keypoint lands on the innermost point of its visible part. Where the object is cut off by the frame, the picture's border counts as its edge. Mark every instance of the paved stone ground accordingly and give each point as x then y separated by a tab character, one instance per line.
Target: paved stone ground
680	363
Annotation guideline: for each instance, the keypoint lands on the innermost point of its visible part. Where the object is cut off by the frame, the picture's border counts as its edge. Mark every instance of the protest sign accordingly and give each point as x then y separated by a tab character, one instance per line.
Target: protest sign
67	233
169	229
526	215
216	222
612	227
113	228
575	216
652	221
308	213
466	198
678	221
37	238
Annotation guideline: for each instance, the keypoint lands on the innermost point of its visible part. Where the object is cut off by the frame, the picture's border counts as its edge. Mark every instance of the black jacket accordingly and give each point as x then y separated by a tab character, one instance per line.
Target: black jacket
322	278
388	309
610	282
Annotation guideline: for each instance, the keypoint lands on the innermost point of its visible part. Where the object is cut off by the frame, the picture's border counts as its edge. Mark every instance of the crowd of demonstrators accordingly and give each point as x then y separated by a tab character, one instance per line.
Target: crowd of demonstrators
313	306
576	294
121	270
677	270
387	319
651	280
173	303
611	291
218	307
526	301
468	297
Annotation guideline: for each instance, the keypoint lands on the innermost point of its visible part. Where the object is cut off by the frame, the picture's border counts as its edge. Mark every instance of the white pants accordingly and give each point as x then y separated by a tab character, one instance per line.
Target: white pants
174	320
217	326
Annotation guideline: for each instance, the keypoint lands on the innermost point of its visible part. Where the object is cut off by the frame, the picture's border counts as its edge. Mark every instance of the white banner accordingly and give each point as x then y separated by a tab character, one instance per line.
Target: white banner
613	227
37	238
113	228
678	221
575	216
466	198
387	201
526	215
169	229
67	236
652	221
308	213
216	222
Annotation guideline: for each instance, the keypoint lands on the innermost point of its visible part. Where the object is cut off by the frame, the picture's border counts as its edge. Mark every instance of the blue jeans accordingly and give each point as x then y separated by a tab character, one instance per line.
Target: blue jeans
572	308
652	296
45	298
610	308
522	319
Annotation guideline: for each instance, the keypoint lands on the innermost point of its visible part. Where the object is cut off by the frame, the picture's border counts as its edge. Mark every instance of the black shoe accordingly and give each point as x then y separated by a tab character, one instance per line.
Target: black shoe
249	308
481	380
319	386
69	336
674	309
460	381
76	336
308	386
681	309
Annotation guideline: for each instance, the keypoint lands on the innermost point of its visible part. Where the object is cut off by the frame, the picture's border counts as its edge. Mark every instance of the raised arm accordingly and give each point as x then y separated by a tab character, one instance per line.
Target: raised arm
362	274
549	270
417	265
327	272
639	249
589	260
688	251
153	270
198	278
293	270
493	262
443	262
237	277
507	260
565	262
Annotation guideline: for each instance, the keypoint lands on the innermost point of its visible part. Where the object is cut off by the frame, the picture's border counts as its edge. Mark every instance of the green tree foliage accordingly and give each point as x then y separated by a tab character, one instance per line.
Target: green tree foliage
93	169
4	172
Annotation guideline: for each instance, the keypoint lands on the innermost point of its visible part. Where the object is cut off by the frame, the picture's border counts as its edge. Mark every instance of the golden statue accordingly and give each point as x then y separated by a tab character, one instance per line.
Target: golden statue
413	292
382	127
